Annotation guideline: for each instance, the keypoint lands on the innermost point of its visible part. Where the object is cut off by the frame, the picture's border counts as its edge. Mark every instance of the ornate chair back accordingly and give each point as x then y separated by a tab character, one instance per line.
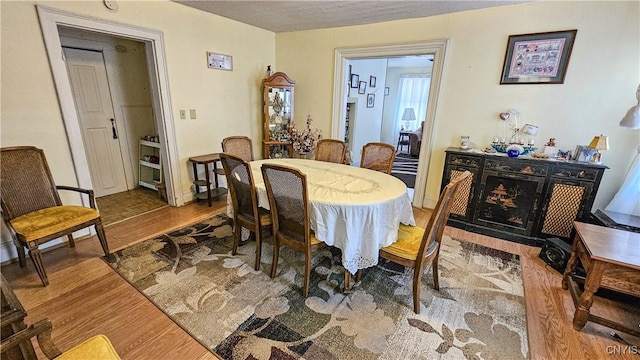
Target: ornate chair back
378	156
331	150
239	146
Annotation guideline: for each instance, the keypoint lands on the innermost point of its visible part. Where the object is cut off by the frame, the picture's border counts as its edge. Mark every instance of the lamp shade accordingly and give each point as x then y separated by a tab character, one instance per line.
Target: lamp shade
409	114
599	143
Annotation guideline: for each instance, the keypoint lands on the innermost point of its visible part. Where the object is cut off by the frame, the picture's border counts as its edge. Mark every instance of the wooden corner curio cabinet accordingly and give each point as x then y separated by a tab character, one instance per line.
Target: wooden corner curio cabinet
277	100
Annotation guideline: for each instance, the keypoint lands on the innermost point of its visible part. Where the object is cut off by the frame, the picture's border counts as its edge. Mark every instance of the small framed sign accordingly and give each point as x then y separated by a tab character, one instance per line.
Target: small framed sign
219	61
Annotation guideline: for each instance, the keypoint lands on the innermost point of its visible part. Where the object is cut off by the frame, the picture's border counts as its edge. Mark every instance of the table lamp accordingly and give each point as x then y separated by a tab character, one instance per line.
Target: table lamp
598	143
408	115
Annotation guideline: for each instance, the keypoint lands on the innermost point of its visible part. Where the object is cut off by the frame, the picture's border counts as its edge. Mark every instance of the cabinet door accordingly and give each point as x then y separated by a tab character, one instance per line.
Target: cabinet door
564	202
508	201
278	93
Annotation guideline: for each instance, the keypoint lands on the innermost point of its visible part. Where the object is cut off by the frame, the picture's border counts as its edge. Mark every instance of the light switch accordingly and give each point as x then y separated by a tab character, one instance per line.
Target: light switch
192	113
183	114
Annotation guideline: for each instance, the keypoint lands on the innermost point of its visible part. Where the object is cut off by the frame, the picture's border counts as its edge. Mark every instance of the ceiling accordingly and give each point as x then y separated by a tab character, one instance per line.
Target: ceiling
281	16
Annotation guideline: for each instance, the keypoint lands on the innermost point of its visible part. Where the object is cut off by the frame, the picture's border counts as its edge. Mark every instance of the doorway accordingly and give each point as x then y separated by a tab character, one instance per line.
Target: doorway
436	48
51	22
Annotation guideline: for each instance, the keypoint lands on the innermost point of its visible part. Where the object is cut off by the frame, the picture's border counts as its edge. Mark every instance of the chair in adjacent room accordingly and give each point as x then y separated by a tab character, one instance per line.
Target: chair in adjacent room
246	212
416	247
32	209
287	192
378	156
331	150
239	146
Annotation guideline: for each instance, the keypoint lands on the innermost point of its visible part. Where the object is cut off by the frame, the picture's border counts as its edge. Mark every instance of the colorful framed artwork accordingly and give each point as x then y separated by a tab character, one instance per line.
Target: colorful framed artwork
540	58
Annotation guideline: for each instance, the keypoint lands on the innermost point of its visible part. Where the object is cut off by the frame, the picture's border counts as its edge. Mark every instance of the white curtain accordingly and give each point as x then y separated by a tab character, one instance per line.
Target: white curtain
627	199
413	93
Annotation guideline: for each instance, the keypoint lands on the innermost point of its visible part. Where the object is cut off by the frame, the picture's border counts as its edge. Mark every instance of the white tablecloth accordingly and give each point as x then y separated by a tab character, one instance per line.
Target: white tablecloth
356	210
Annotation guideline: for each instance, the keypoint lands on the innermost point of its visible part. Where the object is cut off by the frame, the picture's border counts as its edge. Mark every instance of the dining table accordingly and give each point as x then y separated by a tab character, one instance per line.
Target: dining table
354	209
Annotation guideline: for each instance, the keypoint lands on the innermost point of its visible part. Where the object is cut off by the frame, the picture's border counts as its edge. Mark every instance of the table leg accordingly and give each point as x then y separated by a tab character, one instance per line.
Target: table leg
215	173
591	285
571	264
206	176
347	282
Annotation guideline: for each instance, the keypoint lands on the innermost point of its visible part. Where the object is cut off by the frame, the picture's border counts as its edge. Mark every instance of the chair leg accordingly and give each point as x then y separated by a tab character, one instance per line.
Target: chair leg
22	259
72	243
417	275
276	254
436	278
102	237
237	234
36	258
307	272
358	275
258	233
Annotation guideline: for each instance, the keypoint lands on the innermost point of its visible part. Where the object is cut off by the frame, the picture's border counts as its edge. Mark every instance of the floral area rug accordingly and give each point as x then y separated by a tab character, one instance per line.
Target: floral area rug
240	313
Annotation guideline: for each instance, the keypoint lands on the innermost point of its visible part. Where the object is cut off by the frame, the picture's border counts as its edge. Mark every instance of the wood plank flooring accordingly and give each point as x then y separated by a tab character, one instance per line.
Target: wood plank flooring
86	297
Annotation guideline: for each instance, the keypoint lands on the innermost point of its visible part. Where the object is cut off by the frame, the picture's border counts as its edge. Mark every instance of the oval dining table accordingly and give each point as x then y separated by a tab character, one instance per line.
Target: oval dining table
354	209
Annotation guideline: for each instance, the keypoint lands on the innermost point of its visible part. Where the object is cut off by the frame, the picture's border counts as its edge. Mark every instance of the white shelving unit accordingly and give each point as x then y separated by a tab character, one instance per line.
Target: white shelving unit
149	173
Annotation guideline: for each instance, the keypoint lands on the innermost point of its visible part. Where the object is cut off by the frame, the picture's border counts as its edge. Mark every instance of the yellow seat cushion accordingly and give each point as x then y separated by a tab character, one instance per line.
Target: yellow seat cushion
41	223
95	348
408	244
265	216
315	240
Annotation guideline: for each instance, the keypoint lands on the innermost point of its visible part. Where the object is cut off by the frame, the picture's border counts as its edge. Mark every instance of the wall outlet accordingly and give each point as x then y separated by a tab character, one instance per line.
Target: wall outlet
192	113
183	114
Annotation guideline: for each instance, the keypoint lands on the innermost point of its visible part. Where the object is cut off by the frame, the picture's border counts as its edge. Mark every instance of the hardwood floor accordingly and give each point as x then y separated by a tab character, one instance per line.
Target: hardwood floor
86	297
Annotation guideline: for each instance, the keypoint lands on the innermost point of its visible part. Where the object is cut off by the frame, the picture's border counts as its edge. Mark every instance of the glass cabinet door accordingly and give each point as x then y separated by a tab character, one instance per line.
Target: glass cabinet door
279	110
278	115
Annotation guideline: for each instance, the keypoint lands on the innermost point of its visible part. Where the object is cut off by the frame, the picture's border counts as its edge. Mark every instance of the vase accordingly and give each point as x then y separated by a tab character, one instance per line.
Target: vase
303	155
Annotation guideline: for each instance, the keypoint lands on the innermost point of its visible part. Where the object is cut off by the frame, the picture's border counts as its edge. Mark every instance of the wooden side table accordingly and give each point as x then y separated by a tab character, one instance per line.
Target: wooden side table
611	259
208	193
403	140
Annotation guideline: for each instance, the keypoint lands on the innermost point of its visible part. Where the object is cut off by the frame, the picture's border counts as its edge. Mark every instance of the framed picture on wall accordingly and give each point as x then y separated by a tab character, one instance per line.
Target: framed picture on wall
362	87
372	81
355	80
386	91
371	98
540	58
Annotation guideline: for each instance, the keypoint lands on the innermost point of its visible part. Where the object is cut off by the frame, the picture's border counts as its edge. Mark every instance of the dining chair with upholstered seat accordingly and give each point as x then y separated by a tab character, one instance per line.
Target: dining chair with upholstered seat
289	203
239	146
32	209
246	212
417	247
378	156
331	150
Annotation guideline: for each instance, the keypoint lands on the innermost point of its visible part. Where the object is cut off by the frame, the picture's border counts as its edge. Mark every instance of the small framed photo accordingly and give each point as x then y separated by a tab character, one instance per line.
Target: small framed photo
371	98
362	87
540	58
372	81
219	61
583	153
386	91
355	80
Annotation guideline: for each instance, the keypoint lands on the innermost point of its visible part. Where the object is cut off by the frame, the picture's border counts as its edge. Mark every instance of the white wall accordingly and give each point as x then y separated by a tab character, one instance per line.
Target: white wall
599	87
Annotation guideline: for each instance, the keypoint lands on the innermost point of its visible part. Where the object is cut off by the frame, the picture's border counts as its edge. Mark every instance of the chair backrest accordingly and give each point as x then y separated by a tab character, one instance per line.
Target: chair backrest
239	146
26	183
378	156
287	192
331	150
440	215
241	186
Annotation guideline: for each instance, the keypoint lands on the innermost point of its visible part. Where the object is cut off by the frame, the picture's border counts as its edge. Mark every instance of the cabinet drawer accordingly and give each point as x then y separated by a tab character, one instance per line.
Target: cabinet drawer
510	165
579	173
469	161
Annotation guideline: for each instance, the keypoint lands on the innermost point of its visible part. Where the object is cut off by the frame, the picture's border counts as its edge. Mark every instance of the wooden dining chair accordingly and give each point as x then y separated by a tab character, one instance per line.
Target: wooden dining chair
417	247
331	150
239	146
32	209
287	192
246	212
378	156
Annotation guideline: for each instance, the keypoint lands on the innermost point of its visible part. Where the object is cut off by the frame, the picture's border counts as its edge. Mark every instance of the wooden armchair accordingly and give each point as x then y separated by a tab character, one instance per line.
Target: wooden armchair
287	192
32	209
331	150
16	336
246	212
378	156
417	247
239	146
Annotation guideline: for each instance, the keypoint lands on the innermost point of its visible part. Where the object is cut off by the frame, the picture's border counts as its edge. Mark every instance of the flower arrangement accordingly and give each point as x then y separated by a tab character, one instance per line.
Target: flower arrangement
304	140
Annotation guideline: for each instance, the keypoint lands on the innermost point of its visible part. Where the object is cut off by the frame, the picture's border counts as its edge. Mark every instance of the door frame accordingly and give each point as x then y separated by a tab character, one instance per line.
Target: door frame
50	19
438	49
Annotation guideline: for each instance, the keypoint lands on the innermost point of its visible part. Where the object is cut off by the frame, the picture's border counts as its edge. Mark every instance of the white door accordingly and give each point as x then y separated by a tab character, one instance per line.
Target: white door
95	112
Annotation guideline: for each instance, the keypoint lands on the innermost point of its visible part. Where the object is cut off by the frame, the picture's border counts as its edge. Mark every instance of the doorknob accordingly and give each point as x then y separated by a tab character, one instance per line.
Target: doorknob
113	127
